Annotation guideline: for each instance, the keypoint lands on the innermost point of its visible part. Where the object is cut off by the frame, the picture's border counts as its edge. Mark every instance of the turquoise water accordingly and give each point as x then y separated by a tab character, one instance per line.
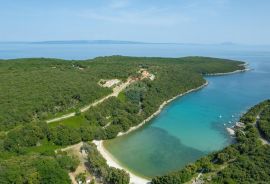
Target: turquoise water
195	124
187	128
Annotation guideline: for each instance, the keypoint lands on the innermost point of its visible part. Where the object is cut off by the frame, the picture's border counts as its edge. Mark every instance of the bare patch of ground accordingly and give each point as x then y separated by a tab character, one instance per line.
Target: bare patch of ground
82	156
109	83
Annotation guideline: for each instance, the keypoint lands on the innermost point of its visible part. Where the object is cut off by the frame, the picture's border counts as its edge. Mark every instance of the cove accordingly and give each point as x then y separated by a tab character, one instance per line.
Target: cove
187	128
193	125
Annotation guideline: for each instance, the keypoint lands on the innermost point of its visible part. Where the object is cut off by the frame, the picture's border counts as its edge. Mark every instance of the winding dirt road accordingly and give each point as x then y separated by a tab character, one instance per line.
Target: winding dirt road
264	141
115	93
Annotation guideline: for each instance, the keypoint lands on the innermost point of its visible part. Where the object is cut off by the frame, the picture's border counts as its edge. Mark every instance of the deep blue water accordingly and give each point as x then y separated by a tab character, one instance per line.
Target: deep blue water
190	126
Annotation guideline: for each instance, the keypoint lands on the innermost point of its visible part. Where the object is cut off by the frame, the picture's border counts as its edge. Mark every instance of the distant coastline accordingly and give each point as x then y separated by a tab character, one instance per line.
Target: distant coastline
222	44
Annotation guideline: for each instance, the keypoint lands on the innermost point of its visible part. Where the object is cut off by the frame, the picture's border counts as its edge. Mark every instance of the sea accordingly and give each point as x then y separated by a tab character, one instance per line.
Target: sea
187	128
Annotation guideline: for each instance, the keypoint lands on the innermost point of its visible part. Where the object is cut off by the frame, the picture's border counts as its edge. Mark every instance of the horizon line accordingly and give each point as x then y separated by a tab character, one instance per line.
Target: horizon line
105	41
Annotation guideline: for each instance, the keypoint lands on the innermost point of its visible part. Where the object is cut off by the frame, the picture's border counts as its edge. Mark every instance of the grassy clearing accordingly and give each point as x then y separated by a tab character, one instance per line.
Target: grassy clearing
122	97
45	148
73	122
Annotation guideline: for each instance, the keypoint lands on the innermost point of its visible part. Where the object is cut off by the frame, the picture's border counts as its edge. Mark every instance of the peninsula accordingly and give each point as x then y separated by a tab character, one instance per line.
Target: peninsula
49	104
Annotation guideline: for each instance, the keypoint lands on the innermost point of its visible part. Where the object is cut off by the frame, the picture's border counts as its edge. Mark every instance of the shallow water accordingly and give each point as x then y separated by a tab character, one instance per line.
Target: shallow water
195	124
190	126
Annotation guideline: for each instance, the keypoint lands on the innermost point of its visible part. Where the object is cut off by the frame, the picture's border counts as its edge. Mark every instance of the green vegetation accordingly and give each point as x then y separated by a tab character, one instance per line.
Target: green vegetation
37	89
73	122
24	169
25	136
264	123
100	169
69	163
247	161
33	90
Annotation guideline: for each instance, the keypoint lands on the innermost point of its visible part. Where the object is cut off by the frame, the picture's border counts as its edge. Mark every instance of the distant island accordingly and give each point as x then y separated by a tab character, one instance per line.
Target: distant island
117	42
88	42
52	110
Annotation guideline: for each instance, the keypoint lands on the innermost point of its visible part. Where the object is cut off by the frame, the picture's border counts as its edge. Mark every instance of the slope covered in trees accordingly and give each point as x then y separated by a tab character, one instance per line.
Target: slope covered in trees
36	89
100	169
33	90
263	123
247	161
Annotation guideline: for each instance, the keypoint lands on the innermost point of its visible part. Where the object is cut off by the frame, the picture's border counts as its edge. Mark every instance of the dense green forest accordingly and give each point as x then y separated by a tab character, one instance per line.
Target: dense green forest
36	89
33	90
247	161
99	168
263	123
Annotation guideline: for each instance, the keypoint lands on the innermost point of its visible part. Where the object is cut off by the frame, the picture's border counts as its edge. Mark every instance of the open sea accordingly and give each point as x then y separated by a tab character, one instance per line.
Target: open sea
187	128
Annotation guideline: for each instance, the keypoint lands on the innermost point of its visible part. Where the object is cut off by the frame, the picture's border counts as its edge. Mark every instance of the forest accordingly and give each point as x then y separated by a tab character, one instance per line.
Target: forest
263	123
99	168
34	90
37	89
246	161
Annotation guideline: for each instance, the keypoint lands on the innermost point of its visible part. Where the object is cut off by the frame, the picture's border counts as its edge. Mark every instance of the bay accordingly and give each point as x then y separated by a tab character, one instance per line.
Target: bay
190	126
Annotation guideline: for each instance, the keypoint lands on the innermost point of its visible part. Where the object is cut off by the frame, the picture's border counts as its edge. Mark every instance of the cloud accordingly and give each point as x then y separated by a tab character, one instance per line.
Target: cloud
160	13
152	16
118	4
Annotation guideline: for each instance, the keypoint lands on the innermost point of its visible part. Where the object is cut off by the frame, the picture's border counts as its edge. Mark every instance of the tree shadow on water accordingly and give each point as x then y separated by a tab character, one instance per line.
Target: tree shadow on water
154	152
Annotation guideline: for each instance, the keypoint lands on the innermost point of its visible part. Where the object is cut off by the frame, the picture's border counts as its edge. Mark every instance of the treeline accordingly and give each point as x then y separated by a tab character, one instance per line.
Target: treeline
247	161
36	89
114	115
102	172
37	169
49	166
264	123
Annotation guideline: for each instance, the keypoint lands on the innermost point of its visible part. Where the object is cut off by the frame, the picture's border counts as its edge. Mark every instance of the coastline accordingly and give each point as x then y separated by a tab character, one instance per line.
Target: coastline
228	73
160	109
231	131
234	72
112	162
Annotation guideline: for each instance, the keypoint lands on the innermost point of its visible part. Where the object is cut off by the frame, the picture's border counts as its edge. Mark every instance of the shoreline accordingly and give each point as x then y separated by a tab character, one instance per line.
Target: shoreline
229	73
131	129
112	162
245	65
231	131
182	94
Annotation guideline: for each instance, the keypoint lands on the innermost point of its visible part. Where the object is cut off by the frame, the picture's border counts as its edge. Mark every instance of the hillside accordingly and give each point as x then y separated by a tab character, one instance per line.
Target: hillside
35	90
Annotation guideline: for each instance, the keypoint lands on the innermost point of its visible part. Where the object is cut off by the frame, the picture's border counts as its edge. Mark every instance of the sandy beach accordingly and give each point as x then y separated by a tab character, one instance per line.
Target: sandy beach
112	162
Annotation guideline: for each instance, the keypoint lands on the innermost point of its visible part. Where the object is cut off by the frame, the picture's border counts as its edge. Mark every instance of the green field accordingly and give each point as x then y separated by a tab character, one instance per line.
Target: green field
73	122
